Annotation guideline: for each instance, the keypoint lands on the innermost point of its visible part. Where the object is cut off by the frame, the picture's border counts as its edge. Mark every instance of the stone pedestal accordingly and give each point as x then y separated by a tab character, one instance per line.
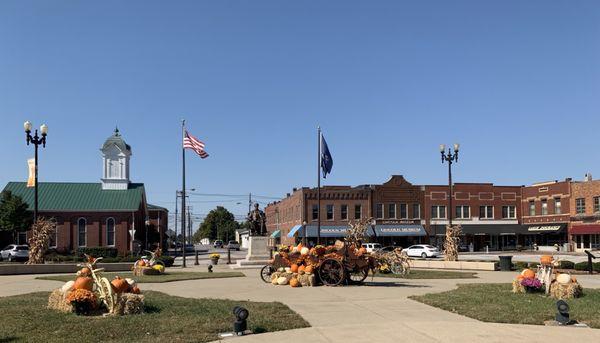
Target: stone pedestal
258	253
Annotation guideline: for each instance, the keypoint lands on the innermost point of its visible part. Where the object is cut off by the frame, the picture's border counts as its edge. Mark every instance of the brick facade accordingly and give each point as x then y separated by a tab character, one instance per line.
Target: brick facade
584	228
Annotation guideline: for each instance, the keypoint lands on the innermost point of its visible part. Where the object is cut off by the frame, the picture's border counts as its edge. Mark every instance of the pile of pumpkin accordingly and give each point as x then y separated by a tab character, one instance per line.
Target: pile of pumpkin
562	286
145	267
83	295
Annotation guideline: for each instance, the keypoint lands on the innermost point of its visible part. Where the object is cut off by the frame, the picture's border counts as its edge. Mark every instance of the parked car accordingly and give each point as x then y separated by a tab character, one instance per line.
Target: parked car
190	248
218	244
371	246
422	250
14	252
233	245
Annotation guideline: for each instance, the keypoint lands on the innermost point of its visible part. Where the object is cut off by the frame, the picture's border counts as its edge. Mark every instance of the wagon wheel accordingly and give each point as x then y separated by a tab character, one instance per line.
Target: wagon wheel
265	273
358	276
331	272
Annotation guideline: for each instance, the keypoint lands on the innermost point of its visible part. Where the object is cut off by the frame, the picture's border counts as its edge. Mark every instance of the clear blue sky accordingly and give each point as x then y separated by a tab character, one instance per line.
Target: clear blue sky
516	82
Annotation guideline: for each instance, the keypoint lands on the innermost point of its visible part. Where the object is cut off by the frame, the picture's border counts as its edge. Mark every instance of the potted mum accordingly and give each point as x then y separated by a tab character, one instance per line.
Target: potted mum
214	258
532	285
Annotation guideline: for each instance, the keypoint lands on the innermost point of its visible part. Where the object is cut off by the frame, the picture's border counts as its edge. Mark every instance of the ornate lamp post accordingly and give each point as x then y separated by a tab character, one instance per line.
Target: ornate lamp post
36	141
304	233
450	158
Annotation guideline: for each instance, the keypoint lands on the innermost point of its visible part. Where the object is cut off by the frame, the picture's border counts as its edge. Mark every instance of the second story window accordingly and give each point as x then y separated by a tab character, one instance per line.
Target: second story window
329	212
379	211
403	211
463	212
544	207
315	212
392	211
597	204
416	211
532	208
357	211
509	212
344	212
486	212
580	205
557	206
438	212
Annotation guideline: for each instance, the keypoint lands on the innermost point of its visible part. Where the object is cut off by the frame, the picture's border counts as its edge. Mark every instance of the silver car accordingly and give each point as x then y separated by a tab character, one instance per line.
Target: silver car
14	252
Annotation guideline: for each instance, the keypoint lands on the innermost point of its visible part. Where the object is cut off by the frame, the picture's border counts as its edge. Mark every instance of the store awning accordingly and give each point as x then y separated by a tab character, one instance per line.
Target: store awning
548	228
326	231
276	234
399	230
294	230
585	229
485	229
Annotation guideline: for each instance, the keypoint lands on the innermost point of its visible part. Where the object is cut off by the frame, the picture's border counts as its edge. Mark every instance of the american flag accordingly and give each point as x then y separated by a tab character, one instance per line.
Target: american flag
191	142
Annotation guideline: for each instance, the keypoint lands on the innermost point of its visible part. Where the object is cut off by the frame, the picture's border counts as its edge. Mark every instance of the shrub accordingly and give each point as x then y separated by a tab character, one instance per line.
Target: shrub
581	266
98	252
167	260
567	265
110	260
596	266
129	258
520	265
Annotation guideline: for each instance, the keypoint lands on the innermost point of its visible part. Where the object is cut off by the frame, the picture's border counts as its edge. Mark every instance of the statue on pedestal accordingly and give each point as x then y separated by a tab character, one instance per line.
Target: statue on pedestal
256	221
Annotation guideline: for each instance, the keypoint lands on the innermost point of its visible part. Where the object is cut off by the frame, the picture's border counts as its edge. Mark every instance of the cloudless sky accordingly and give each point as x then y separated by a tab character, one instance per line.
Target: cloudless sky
517	83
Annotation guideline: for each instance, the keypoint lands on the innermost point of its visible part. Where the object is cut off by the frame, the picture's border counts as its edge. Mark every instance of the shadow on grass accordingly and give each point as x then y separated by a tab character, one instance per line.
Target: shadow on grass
393	284
8	339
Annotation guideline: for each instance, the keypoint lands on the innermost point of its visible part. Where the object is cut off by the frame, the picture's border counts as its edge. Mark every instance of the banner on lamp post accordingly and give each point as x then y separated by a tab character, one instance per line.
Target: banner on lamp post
31	167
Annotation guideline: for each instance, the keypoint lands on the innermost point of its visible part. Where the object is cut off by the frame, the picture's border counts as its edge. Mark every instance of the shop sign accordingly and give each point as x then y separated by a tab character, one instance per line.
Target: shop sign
544	228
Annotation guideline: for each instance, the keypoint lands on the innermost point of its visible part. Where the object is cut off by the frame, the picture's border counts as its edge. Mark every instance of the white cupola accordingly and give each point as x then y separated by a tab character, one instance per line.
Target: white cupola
115	162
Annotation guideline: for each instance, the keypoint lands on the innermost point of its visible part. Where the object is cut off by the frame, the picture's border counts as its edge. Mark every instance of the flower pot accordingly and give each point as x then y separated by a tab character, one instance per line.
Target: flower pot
214	261
82	308
531	289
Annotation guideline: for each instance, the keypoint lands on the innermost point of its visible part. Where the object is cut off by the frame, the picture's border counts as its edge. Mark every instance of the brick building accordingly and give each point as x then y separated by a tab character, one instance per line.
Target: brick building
97	214
584	228
488	214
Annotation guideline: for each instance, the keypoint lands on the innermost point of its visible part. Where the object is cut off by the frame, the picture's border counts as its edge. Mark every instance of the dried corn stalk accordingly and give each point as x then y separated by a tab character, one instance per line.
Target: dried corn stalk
40	238
397	260
451	244
357	232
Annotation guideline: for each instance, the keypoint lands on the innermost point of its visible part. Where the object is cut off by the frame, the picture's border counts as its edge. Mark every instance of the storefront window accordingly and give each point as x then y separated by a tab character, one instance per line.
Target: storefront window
580	205
532	208
344	212
357	211
403	211
315	212
438	212
329	209
379	211
486	212
392	211
416	211
557	206
509	212
463	212
596	204
544	207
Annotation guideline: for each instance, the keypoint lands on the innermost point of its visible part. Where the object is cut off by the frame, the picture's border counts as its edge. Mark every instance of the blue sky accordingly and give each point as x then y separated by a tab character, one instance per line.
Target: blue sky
516	83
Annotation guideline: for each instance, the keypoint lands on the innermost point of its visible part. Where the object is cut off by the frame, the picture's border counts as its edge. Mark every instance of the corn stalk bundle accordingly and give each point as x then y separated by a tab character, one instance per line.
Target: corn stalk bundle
40	238
357	232
451	244
397	260
565	291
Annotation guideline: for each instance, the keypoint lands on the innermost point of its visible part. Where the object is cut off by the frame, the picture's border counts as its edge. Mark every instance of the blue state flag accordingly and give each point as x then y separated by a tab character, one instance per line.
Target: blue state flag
326	159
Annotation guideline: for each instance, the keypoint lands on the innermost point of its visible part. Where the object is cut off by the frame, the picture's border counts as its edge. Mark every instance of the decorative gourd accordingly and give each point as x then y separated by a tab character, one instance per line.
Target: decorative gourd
83	282
67	286
308	270
119	285
282	280
304	251
294	268
159	267
135	290
294	282
546	260
563	279
528	273
85	271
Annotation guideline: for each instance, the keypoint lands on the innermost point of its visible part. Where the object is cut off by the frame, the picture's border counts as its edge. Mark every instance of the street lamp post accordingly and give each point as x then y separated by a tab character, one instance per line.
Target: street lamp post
180	194
36	141
450	158
304	233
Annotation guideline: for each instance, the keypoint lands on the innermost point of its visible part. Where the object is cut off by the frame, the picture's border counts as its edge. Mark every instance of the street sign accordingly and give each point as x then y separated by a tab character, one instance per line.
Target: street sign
132	232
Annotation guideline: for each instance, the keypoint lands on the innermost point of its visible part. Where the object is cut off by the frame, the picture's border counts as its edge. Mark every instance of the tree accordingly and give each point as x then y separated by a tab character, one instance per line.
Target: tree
14	215
218	224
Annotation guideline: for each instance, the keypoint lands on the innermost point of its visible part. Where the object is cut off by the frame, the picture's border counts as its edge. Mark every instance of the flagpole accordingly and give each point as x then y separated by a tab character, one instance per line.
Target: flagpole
183	192
319	185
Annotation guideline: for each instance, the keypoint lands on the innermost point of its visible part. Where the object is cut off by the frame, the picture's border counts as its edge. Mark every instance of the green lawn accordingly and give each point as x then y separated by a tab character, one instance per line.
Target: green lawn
168	319
167	277
496	303
432	274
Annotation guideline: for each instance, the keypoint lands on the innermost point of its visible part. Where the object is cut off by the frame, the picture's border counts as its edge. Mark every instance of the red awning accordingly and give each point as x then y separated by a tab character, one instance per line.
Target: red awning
585	229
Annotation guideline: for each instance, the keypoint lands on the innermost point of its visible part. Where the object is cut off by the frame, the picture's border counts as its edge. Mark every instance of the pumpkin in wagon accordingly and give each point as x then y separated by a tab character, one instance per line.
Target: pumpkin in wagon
294	282
294	268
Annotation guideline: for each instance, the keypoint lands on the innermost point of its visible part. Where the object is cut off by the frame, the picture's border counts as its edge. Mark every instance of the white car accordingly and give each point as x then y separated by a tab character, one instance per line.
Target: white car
233	245
422	250
371	246
15	252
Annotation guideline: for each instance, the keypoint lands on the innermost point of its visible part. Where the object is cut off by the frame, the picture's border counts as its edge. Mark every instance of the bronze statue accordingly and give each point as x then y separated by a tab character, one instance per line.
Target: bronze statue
256	221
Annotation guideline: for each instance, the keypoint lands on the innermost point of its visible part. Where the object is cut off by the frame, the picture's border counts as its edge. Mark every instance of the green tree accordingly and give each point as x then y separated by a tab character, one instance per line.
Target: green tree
14	215
218	224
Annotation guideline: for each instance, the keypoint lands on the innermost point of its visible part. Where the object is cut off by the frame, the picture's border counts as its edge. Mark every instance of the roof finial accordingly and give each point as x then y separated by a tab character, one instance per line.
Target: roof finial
116	131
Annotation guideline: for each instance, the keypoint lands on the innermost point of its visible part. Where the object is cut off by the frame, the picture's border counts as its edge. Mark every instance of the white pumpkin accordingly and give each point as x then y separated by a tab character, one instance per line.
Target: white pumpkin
282	281
131	282
281	269
295	250
274	281
67	286
288	269
563	279
304	251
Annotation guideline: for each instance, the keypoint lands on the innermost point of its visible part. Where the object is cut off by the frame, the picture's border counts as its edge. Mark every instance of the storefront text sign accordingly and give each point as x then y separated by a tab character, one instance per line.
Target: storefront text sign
544	228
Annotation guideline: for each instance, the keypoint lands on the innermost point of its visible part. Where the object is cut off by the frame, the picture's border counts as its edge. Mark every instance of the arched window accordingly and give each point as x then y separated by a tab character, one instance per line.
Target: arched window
81	232
110	231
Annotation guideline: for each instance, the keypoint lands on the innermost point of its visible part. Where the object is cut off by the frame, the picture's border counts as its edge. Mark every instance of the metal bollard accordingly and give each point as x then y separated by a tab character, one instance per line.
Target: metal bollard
228	255
196	262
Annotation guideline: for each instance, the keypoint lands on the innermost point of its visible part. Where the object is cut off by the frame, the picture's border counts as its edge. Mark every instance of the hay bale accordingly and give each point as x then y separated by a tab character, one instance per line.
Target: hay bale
129	303
307	280
517	287
57	301
566	291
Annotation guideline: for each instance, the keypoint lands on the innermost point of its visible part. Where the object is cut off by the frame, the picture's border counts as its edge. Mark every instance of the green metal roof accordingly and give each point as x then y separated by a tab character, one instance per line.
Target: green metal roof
74	196
156	207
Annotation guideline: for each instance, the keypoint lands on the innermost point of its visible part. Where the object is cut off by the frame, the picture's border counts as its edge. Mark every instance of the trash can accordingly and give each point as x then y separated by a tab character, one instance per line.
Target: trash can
505	263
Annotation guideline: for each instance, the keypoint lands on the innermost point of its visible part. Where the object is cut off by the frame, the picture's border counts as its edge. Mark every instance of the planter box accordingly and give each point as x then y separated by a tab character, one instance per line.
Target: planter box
52	268
461	265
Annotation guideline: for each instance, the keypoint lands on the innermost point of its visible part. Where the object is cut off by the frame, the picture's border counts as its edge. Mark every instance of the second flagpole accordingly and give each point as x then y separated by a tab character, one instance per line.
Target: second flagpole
183	193
318	185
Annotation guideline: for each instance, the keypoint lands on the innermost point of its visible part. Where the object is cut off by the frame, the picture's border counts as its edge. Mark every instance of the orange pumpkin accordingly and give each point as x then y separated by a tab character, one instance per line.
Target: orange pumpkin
294	282
300	246
362	250
85	271
573	279
528	273
308	270
294	268
520	277
83	282
546	260
135	290
119	285
301	269
141	263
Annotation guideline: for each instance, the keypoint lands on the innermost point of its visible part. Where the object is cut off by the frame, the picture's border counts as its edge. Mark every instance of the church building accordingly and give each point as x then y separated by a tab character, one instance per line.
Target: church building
101	213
